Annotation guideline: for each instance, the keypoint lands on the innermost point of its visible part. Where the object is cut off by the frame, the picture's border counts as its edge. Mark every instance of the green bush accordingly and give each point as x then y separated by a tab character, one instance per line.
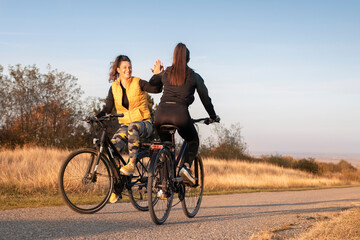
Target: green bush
308	165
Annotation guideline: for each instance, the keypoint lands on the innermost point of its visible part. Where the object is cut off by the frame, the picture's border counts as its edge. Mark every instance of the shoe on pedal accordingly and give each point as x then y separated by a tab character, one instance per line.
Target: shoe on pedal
113	198
185	173
128	169
160	194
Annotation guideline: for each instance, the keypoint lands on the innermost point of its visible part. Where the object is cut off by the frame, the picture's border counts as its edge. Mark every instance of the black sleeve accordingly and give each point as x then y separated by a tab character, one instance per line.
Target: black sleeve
147	87
204	96
109	104
156	80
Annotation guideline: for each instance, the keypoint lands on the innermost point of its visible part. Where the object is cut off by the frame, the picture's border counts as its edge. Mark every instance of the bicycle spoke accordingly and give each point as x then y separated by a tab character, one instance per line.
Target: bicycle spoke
193	194
160	193
82	192
138	190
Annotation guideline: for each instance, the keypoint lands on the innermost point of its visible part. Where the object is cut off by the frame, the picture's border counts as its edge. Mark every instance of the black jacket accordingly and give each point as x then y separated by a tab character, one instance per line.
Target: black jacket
184	94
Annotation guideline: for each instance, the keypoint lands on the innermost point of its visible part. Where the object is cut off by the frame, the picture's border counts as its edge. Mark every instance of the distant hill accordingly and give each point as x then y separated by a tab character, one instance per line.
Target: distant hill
322	157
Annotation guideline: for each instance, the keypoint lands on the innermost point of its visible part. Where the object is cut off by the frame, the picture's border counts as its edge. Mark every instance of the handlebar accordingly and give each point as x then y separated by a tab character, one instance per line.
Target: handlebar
206	121
103	118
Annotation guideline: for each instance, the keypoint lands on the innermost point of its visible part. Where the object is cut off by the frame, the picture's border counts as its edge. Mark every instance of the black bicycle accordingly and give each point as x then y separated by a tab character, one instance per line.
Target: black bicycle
164	179
89	175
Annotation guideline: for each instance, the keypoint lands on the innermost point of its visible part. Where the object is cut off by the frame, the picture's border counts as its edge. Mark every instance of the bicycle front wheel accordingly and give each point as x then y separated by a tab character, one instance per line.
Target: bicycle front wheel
160	194
84	190
138	186
193	194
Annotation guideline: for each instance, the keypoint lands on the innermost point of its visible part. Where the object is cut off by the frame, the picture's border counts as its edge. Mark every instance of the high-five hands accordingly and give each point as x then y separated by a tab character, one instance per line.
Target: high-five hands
158	67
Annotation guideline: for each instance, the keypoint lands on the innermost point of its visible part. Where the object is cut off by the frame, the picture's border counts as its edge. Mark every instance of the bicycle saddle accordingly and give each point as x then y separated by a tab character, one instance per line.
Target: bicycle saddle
168	127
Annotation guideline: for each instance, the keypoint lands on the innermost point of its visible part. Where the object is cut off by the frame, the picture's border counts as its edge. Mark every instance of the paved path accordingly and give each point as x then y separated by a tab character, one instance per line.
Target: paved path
235	216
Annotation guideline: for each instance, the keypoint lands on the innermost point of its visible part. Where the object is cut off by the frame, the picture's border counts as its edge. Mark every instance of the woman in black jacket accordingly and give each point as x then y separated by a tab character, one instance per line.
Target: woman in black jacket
179	83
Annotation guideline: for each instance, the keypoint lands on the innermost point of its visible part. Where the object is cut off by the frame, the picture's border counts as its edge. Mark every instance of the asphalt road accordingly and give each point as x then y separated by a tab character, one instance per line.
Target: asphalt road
235	216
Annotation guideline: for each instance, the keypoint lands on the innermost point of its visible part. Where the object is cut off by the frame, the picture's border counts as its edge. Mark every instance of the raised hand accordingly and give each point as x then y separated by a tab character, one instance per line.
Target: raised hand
158	67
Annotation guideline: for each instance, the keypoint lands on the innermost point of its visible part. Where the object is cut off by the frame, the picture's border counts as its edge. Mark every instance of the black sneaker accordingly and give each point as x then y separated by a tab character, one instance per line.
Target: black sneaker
185	173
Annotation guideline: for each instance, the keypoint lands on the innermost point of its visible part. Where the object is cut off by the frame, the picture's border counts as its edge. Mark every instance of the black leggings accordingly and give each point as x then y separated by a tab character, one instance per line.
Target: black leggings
178	115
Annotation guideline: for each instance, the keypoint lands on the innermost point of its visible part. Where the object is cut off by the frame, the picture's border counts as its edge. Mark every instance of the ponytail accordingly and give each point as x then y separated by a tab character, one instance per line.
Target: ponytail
178	69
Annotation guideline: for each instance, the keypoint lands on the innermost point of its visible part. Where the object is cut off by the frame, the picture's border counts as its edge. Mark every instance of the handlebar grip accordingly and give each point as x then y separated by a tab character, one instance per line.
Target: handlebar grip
89	119
207	121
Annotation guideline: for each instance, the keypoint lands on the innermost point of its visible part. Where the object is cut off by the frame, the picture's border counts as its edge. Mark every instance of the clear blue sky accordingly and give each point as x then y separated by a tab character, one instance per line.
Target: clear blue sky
287	71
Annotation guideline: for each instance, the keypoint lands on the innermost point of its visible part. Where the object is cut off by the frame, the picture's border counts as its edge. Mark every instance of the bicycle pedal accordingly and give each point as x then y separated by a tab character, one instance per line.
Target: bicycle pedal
189	183
162	195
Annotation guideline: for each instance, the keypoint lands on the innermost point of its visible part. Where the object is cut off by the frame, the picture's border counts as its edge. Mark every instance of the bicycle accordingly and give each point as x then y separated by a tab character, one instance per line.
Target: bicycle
88	176
164	179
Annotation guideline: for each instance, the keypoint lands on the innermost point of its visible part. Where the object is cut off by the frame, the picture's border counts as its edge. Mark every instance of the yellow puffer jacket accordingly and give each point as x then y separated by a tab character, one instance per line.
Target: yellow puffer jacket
138	106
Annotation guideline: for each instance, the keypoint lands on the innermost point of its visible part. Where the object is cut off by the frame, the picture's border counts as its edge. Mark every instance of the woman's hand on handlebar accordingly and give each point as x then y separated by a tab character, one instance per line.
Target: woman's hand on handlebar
217	119
90	119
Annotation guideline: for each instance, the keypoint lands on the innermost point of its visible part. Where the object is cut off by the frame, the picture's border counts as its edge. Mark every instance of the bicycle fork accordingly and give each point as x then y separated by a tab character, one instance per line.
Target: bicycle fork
94	162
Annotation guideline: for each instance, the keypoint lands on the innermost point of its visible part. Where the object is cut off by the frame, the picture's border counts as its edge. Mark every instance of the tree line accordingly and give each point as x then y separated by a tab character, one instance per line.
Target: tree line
42	109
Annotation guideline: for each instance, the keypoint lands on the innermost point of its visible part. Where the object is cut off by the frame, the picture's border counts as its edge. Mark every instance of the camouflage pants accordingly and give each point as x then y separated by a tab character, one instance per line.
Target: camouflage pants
131	134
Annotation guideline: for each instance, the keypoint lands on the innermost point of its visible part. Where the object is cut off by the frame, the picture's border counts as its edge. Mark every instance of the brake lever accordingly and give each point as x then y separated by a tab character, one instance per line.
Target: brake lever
207	121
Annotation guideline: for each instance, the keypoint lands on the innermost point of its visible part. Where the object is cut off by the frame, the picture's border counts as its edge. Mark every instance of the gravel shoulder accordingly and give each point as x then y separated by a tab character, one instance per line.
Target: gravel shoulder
234	216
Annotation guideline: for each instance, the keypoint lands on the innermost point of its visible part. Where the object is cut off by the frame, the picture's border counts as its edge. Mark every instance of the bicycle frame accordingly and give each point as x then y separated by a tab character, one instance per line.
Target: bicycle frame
165	178
98	168
177	163
105	145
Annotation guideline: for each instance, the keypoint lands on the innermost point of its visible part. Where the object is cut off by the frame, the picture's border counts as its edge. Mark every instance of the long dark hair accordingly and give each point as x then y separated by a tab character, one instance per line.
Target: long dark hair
114	75
177	72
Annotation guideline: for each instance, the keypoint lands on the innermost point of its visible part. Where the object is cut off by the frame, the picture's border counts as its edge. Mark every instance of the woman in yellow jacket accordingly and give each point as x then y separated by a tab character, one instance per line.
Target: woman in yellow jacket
128	95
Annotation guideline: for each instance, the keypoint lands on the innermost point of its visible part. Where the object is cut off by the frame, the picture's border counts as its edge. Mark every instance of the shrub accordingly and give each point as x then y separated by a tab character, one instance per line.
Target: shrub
341	167
345	166
308	165
229	144
279	160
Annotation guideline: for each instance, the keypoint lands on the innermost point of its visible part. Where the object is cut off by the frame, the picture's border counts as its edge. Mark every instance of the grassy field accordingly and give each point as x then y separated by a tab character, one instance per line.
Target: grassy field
28	177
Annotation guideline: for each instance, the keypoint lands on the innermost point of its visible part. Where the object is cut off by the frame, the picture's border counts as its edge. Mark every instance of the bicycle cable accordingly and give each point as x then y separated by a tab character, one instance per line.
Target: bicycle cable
176	203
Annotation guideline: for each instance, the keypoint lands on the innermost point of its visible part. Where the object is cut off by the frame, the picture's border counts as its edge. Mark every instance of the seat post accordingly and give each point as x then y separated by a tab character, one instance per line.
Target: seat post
170	129
172	132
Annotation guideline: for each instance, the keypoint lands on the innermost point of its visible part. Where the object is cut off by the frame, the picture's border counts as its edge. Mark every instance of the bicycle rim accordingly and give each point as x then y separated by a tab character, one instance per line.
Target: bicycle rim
193	194
160	206
138	188
82	193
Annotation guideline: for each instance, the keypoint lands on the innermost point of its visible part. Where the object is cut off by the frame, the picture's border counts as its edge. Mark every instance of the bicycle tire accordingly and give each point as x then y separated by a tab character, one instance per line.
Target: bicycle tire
78	191
193	194
138	188
160	174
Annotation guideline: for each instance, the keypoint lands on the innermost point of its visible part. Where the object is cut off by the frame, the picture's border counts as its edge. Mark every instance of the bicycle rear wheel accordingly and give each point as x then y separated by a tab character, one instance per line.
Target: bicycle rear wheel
81	191
160	194
193	194
138	188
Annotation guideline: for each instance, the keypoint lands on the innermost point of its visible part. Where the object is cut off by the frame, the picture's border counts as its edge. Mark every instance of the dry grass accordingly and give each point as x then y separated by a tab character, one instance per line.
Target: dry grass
345	226
35	167
236	174
31	174
31	168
